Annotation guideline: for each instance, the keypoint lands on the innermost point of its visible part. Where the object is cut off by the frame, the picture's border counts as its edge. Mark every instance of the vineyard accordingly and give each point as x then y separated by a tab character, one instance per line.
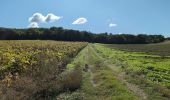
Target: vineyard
33	68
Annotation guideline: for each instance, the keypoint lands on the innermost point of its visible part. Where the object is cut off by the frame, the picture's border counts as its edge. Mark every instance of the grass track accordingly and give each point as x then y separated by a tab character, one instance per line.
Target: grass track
99	82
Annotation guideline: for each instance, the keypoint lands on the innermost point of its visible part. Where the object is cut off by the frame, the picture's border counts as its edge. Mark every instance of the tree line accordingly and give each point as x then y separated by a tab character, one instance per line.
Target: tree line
58	33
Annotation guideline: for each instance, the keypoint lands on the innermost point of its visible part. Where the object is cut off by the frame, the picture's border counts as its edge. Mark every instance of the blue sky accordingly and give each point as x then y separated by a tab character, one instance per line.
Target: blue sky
123	16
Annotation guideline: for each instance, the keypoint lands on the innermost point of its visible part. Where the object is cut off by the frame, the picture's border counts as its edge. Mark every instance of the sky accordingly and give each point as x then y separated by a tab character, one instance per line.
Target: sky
112	16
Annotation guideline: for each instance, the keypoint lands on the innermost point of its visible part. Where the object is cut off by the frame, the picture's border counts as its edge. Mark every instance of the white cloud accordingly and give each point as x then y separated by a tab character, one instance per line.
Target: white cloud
37	18
112	25
80	21
51	18
120	33
33	25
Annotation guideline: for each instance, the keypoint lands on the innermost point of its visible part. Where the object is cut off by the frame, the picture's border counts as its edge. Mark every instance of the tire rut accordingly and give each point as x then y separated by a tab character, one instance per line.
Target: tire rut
87	59
132	87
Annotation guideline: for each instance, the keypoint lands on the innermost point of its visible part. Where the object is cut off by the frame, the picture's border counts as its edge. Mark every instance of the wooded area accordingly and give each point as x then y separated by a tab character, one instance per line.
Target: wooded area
58	33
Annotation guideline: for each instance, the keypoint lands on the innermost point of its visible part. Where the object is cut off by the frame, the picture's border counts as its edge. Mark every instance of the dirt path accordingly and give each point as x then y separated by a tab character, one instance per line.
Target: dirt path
92	79
121	77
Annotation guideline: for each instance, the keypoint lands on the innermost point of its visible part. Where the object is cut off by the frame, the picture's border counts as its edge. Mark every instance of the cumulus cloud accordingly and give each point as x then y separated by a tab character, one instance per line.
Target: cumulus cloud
33	25
37	18
112	25
51	18
80	21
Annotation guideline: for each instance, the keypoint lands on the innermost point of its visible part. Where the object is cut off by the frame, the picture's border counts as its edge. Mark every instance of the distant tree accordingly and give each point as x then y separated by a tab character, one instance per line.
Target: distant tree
58	33
168	38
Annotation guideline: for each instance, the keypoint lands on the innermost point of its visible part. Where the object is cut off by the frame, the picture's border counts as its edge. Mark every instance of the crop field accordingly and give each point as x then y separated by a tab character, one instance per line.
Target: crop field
161	49
55	70
85	50
148	67
34	67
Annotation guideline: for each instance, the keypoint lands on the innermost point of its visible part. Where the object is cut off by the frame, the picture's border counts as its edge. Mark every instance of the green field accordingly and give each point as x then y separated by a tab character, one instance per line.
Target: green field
55	70
161	49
